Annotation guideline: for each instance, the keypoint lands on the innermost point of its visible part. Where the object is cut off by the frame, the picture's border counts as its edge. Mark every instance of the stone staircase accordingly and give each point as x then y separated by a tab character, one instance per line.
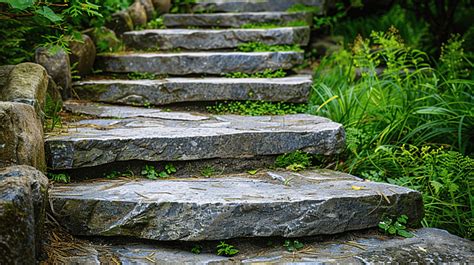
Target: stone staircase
234	203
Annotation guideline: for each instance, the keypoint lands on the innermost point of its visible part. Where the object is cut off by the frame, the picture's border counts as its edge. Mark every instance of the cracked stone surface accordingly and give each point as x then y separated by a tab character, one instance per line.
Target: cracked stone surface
232	206
193	137
233	20
186	63
174	90
429	246
213	39
252	5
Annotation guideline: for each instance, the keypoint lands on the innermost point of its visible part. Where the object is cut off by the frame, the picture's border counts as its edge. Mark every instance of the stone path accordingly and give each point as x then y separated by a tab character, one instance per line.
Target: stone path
192	63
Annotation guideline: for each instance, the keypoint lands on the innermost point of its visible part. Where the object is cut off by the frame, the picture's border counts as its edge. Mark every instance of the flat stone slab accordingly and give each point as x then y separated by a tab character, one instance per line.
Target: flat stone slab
233	206
213	39
217	6
186	63
234	20
96	142
174	90
429	246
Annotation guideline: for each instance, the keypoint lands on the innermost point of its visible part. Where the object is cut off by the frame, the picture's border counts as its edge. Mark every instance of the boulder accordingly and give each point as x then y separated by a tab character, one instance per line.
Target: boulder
58	66
83	55
23	198
138	14
4	73
162	6
149	8
104	39
26	83
21	136
120	22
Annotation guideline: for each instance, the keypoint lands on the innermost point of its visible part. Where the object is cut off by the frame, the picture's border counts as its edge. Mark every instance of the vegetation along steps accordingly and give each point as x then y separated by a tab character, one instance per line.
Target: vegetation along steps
217	6
186	63
213	39
268	204
174	90
234	20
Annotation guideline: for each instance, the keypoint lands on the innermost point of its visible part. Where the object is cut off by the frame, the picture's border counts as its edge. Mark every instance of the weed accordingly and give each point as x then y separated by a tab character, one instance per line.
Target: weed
208	171
117	174
63	178
294	161
156	23
297	8
150	172
140	76
52	108
197	249
262	47
252	172
296	23
224	249
257	108
293	245
265	74
396	228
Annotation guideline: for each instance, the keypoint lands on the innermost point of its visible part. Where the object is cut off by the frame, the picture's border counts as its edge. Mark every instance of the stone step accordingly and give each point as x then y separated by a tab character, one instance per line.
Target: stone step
270	203
369	247
213	39
187	63
175	90
233	20
153	135
216	6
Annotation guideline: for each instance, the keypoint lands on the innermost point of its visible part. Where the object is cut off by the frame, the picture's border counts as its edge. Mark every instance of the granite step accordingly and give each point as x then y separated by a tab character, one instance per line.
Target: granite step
175	90
234	20
132	133
217	6
189	63
212	39
269	203
429	245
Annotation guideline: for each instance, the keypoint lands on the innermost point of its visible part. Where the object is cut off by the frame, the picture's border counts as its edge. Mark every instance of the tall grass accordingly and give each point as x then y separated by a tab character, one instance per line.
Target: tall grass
387	95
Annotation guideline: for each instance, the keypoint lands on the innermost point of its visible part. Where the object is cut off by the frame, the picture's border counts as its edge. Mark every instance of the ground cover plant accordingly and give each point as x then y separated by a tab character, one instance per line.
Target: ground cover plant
256	108
408	121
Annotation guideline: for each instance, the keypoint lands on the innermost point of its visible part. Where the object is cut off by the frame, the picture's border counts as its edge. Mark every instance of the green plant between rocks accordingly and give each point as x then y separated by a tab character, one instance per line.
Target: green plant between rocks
140	76
208	171
297	8
150	172
60	178
268	73
293	245
257	108
294	161
396	228
296	23
197	249
224	249
262	47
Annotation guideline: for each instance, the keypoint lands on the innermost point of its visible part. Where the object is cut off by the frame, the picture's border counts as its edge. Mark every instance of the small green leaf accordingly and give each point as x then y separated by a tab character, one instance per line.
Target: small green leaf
19	4
405	234
392	230
49	14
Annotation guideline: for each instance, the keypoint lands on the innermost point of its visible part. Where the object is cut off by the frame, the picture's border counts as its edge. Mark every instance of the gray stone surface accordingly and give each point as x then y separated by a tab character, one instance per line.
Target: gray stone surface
26	83
233	206
197	62
252	5
83	55
97	142
174	90
58	66
23	198
233	20
120	22
21	136
213	39
429	246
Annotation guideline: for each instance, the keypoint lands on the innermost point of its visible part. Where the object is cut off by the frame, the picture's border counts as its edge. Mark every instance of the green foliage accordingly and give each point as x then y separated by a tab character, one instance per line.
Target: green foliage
398	98
182	6
208	171
52	108
257	108
139	76
117	174
330	21
63	178
268	73
224	249
294	161
396	228
303	8
293	245
150	172
262	47
197	249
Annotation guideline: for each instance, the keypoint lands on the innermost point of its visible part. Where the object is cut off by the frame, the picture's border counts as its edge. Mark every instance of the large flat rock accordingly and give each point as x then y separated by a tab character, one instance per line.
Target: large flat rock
234	20
176	137
213	39
186	63
233	206
252	5
429	246
174	90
